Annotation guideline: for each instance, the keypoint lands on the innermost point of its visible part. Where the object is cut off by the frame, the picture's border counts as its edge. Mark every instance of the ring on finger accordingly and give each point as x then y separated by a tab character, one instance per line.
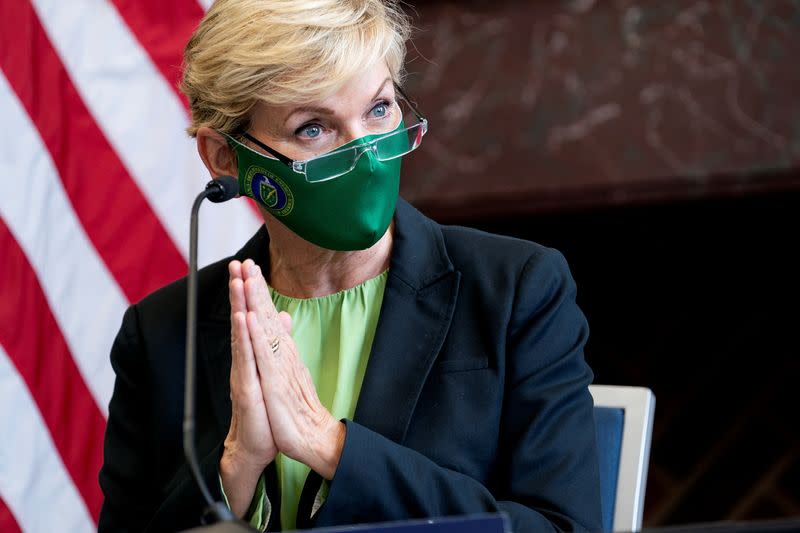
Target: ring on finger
275	344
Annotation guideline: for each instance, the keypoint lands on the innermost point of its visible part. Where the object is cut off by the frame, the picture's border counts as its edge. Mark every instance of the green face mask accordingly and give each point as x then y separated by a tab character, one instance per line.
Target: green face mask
349	212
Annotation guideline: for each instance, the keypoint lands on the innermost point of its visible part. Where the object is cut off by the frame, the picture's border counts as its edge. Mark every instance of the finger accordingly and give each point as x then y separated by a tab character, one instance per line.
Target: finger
286	321
236	296
236	288
243	364
263	352
259	301
273	347
235	269
247	268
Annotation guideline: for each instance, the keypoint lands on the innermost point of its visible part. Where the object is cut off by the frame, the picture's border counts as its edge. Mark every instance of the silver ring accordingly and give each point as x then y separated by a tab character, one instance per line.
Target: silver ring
275	344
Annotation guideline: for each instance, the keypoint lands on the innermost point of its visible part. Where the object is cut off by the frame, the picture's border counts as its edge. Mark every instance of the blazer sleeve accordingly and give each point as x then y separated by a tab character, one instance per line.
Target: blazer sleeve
547	468
135	499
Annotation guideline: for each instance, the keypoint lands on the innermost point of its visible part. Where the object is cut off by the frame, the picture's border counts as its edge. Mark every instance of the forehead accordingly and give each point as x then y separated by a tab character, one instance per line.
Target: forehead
348	100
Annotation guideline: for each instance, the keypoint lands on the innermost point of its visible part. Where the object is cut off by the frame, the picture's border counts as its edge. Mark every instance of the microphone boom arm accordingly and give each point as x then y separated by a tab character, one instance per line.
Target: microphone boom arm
219	190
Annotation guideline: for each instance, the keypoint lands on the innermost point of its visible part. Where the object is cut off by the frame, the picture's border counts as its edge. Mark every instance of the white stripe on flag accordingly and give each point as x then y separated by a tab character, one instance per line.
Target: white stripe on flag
85	300
33	481
205	4
143	120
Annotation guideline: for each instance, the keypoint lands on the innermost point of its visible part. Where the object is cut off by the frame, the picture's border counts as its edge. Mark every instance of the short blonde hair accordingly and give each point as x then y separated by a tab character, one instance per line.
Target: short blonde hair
284	51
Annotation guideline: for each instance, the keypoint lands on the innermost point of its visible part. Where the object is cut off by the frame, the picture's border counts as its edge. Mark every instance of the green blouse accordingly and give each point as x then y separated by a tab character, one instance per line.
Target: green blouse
334	337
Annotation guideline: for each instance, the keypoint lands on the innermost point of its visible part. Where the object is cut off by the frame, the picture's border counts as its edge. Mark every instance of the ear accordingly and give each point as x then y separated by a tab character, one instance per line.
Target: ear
218	157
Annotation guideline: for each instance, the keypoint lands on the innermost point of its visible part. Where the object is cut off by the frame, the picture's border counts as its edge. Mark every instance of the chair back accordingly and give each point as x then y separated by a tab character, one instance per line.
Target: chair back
624	424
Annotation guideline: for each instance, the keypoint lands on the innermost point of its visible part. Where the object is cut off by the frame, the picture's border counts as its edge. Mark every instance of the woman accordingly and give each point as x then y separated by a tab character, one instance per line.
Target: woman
356	361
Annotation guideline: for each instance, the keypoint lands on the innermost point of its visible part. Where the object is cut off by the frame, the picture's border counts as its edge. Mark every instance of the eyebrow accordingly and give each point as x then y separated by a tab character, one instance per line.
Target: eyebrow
325	110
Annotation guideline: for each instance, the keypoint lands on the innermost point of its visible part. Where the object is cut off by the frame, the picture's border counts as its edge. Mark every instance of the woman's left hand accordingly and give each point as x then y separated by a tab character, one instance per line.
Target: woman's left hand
302	427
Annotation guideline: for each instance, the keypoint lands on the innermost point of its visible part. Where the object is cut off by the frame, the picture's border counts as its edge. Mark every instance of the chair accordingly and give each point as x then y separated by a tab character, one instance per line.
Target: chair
624	424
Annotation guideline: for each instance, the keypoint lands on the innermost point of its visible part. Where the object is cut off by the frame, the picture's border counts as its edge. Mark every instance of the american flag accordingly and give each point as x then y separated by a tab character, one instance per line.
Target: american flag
98	177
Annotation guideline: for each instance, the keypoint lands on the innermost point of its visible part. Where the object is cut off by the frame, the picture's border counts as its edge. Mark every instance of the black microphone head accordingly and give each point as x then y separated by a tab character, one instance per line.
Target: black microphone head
222	189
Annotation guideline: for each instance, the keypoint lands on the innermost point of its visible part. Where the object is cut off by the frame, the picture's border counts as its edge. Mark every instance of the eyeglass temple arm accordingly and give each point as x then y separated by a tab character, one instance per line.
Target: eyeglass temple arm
279	156
410	102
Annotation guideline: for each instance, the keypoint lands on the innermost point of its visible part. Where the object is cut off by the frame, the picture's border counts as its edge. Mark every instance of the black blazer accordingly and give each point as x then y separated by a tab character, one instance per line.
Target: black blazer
474	400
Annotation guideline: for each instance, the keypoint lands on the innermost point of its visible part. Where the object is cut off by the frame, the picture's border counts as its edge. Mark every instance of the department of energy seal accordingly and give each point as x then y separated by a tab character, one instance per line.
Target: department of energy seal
269	190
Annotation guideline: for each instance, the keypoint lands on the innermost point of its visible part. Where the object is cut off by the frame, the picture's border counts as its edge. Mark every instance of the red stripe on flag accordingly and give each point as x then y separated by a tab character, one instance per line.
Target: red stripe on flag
34	343
163	29
110	206
8	524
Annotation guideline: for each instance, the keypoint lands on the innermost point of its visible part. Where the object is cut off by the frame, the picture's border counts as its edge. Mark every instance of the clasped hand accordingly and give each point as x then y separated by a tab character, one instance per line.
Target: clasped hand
275	407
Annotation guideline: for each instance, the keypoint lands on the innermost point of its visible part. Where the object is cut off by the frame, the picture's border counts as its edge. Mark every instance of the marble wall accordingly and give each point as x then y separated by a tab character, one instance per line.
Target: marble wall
537	105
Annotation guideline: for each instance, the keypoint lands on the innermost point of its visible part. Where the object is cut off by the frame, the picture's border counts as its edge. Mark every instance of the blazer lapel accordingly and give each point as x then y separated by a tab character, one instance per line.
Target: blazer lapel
416	312
417	308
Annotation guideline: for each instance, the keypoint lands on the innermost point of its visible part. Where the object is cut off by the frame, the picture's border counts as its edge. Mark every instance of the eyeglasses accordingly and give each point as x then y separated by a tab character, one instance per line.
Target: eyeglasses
339	162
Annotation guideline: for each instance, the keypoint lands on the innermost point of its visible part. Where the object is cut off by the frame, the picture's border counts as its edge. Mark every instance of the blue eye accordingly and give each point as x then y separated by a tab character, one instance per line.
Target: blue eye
310	131
380	110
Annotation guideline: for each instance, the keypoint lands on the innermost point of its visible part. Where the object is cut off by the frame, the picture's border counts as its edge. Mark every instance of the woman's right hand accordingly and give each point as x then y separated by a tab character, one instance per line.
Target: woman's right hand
249	446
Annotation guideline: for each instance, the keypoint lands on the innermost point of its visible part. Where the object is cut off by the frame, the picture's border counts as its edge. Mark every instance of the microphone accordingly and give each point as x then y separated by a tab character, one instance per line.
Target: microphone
218	190
222	189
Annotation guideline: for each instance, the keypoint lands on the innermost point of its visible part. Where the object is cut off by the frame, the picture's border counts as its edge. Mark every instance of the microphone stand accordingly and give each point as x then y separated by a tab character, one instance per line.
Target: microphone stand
219	190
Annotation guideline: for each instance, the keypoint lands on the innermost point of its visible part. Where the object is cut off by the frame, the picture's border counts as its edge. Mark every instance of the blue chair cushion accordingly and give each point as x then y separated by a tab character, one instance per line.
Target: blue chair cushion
608	424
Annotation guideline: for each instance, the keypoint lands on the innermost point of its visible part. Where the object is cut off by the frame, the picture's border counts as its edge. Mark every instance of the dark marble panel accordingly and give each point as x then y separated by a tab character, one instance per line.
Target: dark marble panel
547	104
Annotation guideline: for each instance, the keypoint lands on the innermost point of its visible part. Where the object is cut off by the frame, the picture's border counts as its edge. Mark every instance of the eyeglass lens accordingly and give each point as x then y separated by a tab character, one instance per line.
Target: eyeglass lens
331	165
339	162
390	147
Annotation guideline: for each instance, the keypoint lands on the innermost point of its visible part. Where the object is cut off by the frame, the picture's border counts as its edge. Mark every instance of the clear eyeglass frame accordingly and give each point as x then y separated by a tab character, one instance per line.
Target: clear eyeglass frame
339	162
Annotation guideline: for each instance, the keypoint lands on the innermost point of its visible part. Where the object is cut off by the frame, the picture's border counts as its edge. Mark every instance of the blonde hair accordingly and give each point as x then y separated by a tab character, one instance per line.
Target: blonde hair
284	51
